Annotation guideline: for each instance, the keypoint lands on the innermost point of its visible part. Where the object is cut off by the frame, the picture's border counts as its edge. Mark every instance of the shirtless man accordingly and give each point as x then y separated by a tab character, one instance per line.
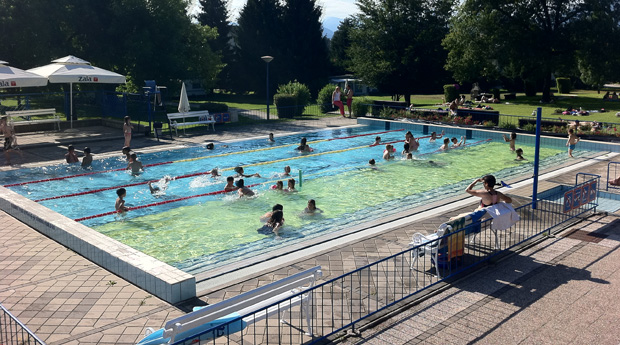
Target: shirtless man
230	184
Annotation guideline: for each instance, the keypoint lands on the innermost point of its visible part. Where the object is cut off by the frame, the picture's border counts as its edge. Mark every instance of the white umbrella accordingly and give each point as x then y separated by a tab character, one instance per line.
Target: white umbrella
71	69
15	77
184	106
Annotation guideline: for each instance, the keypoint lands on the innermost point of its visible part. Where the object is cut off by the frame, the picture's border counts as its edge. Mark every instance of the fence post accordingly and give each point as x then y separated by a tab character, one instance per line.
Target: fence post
536	157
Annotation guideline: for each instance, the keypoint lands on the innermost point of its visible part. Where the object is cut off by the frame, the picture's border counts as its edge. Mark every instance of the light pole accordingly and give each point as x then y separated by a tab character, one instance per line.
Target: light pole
267	59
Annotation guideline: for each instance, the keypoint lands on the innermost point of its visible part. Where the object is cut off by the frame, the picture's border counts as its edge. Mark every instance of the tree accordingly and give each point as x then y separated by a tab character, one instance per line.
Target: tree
526	39
214	14
339	44
259	33
396	44
303	46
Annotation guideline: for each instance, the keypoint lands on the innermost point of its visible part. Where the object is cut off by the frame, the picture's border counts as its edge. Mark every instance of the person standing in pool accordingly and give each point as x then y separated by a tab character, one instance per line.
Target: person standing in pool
512	140
456	143
87	160
70	156
135	165
446	144
243	190
303	146
273	225
573	139
377	141
435	137
265	218
271	139
489	196
120	201
287	171
291	185
230	184
311	208
387	153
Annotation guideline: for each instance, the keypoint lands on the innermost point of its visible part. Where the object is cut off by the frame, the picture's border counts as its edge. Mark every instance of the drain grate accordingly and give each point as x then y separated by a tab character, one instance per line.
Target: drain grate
593	237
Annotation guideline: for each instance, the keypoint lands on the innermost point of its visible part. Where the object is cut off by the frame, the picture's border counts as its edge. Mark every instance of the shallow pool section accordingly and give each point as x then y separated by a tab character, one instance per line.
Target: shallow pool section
200	233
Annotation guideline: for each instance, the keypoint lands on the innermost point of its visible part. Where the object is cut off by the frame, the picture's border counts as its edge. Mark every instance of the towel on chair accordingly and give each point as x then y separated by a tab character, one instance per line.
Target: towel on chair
504	216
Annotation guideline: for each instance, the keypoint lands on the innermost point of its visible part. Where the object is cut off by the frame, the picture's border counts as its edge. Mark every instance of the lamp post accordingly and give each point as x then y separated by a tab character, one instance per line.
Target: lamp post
267	59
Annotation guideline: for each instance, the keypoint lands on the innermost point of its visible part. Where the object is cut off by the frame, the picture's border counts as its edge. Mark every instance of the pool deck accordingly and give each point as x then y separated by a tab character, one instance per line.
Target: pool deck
562	290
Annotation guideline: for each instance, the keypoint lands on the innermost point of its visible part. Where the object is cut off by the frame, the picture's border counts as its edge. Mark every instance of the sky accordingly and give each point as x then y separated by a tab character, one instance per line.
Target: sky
331	8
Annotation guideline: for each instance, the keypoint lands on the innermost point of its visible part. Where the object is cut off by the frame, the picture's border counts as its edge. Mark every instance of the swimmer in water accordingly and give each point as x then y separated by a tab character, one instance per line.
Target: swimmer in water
230	184
287	171
377	140
446	144
215	173
291	185
405	149
519	153
273	225
409	156
456	143
120	201
512	140
435	137
278	186
414	143
210	146
311	208
303	146
163	185
372	164
265	218
240	173
135	165
242	189
271	139
387	153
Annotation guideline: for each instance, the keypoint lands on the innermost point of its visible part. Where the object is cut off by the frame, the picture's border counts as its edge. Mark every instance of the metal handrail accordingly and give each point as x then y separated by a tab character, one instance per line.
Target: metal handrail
12	331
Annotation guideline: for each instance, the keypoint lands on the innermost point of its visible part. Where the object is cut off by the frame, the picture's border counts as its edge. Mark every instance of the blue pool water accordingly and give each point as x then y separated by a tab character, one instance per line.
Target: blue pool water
196	234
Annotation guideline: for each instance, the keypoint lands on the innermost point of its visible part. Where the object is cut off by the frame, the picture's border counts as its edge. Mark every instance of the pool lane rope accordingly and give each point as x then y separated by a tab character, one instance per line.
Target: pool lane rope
224	191
225	169
188	160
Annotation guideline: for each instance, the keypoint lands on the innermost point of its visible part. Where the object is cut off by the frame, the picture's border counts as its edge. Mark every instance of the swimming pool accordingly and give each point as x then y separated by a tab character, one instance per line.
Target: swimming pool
201	233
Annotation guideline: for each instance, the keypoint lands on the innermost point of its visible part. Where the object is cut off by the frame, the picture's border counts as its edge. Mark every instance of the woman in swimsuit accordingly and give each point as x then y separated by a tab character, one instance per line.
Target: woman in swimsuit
489	196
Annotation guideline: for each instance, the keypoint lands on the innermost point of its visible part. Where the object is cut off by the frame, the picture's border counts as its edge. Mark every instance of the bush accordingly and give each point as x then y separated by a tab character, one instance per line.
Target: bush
214	107
359	107
286	105
299	91
529	127
488	124
450	93
324	99
563	85
506	125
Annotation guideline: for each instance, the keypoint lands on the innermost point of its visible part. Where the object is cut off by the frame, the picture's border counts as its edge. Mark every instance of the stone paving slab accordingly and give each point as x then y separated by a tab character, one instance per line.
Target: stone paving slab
66	299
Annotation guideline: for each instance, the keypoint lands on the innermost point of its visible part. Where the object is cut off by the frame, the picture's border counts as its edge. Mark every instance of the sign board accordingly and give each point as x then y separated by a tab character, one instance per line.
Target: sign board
580	196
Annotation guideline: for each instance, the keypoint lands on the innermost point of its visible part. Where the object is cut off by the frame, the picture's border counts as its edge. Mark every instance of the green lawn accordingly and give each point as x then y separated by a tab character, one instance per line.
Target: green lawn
523	106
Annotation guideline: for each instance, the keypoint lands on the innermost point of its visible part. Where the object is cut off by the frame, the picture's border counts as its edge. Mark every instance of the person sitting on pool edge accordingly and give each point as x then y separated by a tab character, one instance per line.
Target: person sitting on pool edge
239	171
230	184
120	201
273	225
489	196
242	189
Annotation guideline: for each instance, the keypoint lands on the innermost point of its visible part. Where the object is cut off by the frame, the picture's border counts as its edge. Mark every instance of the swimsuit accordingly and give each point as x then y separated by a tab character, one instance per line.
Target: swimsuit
494	200
572	147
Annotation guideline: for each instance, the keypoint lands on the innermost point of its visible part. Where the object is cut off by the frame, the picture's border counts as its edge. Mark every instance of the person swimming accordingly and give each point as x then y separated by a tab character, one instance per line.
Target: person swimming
273	225
387	153
287	171
242	189
303	146
519	153
456	143
446	144
377	140
311	208
240	173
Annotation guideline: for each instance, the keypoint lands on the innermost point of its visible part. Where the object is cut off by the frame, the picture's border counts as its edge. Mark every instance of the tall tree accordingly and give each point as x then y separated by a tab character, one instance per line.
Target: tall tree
214	14
527	39
397	44
339	44
303	47
260	33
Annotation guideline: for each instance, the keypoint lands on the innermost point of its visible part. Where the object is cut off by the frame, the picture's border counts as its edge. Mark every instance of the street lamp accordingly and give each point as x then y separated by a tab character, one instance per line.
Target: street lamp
267	59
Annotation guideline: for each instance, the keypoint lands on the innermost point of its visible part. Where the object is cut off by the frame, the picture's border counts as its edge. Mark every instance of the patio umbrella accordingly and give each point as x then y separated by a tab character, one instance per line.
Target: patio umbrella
71	69
184	106
15	77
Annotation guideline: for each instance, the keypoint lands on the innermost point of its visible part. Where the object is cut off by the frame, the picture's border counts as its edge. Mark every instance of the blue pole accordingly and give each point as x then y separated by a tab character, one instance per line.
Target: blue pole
267	90
536	158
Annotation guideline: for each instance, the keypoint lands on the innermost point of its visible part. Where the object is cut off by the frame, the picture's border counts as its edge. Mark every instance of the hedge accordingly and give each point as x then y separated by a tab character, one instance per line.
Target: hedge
286	105
563	84
450	92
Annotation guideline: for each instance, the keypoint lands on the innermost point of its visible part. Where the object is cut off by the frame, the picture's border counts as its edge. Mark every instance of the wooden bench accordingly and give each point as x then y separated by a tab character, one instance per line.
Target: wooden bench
203	118
234	314
27	114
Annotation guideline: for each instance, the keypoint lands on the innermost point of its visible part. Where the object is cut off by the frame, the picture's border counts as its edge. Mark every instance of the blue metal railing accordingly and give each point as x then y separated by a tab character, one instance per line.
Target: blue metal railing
12	331
345	301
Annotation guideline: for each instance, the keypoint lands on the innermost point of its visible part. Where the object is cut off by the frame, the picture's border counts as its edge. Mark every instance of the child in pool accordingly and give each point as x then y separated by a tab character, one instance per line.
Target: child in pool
215	173
291	185
573	139
387	153
120	201
519	153
311	208
87	160
242	189
377	141
70	156
230	184
240	173
456	143
287	171
271	139
446	144
409	156
163	184
278	186
435	137
512	140
372	164
273	225
265	218
135	165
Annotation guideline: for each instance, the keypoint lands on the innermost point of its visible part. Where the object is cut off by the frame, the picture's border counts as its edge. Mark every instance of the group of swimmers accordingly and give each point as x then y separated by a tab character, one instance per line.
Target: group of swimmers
274	219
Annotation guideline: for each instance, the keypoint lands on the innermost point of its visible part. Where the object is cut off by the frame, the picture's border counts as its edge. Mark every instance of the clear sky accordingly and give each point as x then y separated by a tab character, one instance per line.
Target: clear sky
331	8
